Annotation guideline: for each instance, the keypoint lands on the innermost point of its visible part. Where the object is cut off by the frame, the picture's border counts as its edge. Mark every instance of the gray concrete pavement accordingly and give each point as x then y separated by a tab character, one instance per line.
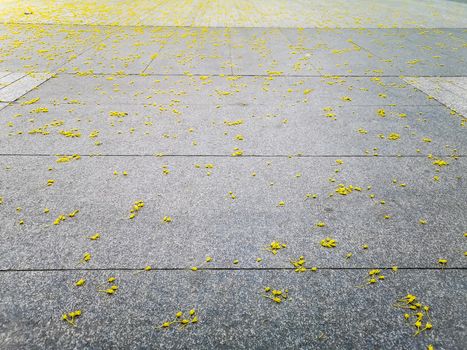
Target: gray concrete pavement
361	105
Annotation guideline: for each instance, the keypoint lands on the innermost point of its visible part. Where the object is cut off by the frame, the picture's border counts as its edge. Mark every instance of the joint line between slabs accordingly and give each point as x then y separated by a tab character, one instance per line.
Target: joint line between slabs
229	156
327	75
184	269
217	27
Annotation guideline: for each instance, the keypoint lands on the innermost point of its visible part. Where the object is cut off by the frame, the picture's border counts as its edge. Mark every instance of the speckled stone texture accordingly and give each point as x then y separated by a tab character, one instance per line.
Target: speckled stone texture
156	97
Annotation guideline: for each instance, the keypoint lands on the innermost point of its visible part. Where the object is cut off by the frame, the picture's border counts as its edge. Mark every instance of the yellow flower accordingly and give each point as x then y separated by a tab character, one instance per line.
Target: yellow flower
237	152
393	136
80	283
440	163
275	246
328	243
362	131
95	237
342	190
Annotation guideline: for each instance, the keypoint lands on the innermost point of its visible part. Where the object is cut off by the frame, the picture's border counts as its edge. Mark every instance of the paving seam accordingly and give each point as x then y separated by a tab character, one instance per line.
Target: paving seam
326	29
182	269
243	156
88	103
267	75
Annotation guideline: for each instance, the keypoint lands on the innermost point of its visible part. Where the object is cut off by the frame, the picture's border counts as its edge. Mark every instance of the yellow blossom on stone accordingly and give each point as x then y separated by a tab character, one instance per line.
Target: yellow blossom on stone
440	163
381	112
80	283
393	136
362	131
275	246
237	152
328	243
342	190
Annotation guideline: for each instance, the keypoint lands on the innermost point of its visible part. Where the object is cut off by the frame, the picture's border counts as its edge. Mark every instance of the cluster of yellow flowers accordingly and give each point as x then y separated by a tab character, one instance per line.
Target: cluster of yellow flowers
182	321
328	242
62	217
342	190
276	295
416	314
118	114
136	208
299	265
70	133
110	290
66	159
70	317
375	276
237	152
275	246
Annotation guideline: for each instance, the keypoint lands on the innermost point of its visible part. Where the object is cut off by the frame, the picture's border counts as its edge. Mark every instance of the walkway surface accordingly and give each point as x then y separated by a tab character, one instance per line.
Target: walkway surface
159	157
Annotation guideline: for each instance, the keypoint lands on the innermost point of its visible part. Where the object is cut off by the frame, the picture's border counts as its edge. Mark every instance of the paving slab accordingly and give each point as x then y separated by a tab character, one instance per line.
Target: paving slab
401	50
45	48
202	130
446	41
207	221
22	85
202	51
261	51
324	310
127	50
9	79
168	91
315	95
450	91
333	52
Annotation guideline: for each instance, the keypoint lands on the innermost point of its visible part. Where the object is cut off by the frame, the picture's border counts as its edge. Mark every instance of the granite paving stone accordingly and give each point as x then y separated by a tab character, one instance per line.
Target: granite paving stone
152	154
221	90
202	130
207	221
44	48
194	51
324	310
125	50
